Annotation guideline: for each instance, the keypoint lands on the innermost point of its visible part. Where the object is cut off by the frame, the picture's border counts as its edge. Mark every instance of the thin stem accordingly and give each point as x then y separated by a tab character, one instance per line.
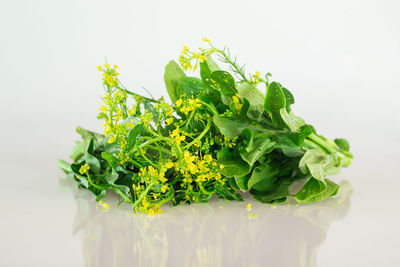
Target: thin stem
198	138
142	195
211	108
95	185
134	94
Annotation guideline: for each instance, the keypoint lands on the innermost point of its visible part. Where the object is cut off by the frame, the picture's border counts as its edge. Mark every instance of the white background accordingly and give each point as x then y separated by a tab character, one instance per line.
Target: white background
341	60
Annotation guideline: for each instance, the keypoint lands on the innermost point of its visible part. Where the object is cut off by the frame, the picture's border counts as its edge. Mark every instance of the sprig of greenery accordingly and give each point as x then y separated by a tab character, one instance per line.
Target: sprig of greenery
221	135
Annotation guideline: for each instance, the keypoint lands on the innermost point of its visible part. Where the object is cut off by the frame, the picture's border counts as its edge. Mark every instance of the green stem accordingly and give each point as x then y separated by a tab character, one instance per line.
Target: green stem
204	190
211	108
190	118
142	195
162	149
237	69
95	185
165	200
198	138
324	145
134	94
147	159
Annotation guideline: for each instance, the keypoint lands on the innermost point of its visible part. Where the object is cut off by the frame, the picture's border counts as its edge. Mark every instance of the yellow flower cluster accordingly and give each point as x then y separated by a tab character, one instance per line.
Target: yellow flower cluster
188	105
255	78
186	57
166	111
199	169
109	75
146	118
150	175
84	168
175	135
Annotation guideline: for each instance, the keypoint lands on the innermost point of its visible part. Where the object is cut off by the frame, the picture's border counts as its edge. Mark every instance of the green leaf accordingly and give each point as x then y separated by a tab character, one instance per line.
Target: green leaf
229	128
111	178
263	177
248	137
315	190
65	166
277	194
233	164
226	84
288	147
112	161
274	102
101	195
228	193
191	86
292	121
134	134
206	68
299	137
242	181
173	73
261	144
233	184
289	98
78	151
255	98
342	144
315	162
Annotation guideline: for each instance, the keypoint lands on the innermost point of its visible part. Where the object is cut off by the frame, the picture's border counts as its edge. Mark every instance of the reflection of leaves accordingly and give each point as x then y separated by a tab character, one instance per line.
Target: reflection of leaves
200	234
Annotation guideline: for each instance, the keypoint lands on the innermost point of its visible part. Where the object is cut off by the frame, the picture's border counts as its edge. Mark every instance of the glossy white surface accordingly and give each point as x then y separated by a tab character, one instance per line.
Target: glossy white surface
341	61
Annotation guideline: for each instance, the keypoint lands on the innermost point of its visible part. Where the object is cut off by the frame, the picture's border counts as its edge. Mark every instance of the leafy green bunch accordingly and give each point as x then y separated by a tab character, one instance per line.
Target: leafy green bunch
221	136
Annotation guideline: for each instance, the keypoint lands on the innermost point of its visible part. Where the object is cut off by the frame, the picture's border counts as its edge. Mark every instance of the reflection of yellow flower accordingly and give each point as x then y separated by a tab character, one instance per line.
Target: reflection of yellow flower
248	207
205	40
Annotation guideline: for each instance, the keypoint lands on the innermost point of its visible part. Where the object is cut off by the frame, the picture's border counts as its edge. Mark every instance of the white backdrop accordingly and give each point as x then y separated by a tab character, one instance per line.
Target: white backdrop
341	60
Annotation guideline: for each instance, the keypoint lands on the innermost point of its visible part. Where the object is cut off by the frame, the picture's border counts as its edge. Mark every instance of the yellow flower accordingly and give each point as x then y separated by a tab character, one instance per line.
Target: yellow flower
169	165
99	67
164	188
112	139
221	166
205	40
169	121
238	107
177	138
84	168
202	58
116	67
178	103
187	157
235	99
208	158
185	49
